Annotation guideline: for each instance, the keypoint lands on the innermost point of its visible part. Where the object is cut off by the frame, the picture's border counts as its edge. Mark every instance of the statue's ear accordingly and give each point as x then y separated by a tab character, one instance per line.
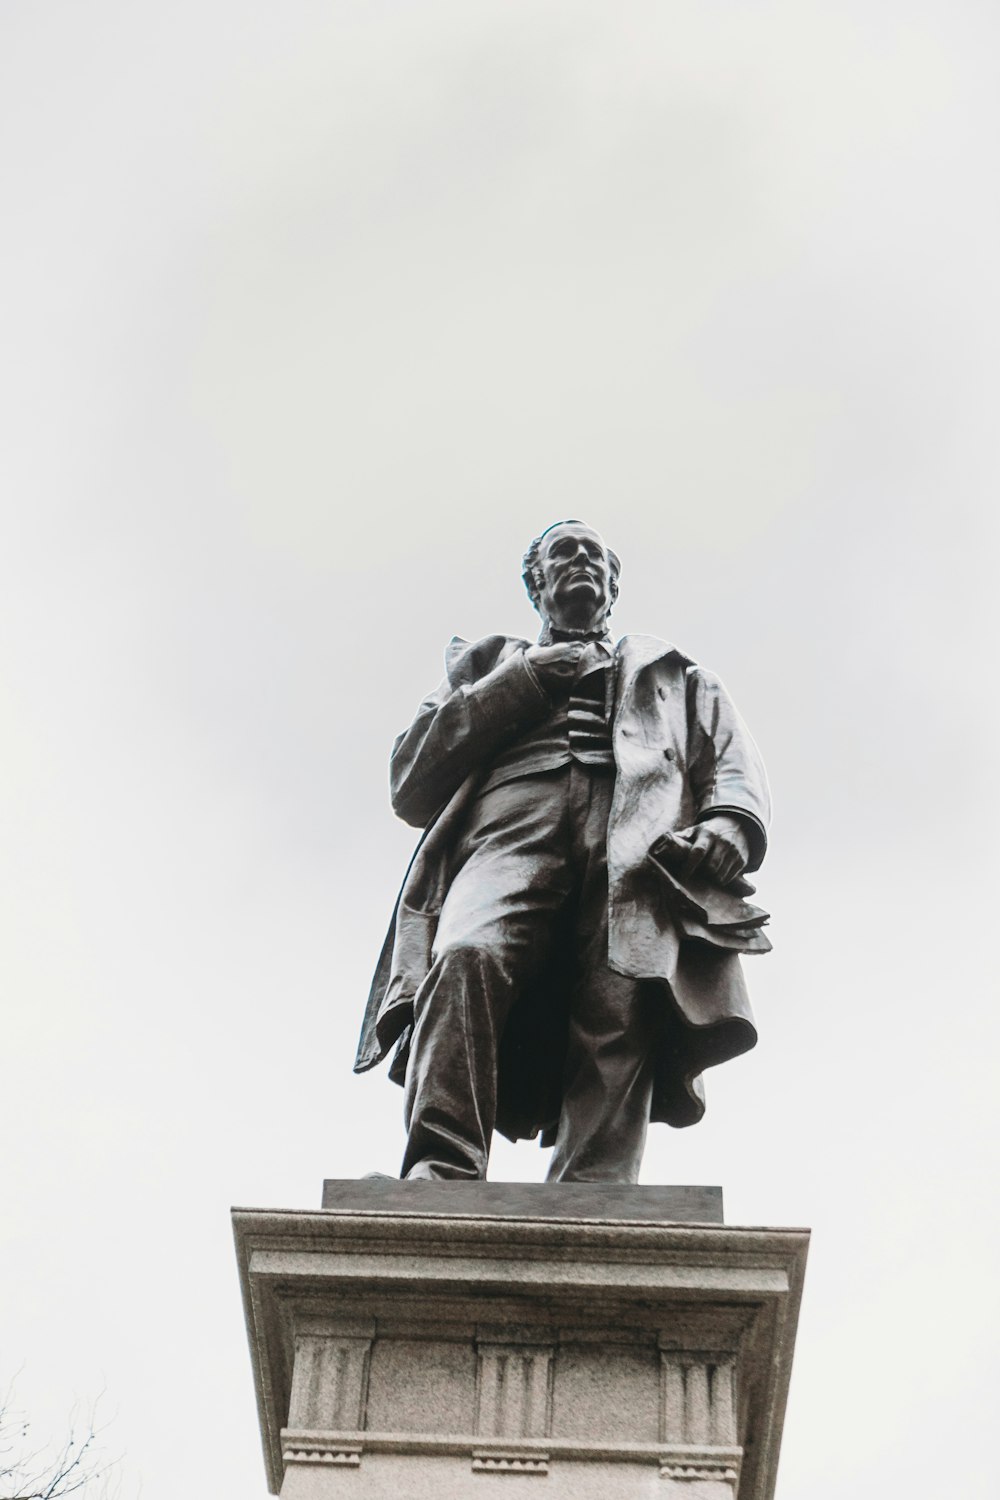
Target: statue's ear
614	569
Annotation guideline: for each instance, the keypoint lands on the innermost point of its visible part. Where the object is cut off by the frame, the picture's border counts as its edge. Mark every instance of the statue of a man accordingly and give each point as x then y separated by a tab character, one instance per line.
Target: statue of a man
564	954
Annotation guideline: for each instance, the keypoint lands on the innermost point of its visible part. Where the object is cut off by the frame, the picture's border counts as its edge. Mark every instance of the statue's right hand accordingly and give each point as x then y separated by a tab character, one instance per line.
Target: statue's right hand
555	666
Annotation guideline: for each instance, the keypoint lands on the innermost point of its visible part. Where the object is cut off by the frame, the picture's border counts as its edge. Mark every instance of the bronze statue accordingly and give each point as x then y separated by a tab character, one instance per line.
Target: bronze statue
564	954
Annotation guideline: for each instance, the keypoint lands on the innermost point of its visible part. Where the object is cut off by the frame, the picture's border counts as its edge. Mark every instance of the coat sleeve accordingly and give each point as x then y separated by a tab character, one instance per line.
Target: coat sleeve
459	729
725	767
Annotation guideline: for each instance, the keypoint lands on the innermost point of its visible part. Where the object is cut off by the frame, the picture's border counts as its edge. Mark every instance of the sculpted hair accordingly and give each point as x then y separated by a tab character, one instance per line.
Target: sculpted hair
529	566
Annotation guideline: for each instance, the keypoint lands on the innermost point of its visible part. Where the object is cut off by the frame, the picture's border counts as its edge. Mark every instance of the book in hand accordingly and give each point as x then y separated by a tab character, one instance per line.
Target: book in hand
703	911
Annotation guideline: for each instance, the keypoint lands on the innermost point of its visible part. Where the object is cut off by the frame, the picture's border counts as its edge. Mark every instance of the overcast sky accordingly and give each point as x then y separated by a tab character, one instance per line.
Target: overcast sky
311	316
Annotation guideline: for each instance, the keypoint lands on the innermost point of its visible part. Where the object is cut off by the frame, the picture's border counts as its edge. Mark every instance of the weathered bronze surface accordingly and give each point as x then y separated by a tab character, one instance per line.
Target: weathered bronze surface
564	954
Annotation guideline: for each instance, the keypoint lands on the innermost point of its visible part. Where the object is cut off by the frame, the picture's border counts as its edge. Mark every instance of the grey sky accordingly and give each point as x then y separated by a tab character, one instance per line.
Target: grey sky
313	315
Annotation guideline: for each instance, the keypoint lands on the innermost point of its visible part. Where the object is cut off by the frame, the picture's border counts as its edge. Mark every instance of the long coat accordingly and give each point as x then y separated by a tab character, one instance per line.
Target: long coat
681	752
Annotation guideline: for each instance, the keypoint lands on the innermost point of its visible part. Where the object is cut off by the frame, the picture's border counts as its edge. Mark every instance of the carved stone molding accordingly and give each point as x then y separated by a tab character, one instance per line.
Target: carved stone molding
688	1464
717	1472
314	1448
492	1461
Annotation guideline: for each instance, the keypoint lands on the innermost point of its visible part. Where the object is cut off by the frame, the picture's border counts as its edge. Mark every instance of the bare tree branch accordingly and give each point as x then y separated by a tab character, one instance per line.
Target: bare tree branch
77	1465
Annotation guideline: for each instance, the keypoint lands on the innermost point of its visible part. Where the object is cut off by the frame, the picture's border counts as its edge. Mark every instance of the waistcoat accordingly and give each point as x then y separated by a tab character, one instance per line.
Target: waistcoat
577	729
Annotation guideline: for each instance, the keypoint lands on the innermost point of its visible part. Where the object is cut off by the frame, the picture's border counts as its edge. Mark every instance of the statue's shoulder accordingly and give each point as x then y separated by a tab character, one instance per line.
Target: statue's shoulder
666	659
639	651
467	661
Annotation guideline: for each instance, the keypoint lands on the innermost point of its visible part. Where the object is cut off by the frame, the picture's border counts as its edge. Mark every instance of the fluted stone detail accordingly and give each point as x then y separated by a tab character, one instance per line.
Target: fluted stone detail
329	1383
698	1398
514	1389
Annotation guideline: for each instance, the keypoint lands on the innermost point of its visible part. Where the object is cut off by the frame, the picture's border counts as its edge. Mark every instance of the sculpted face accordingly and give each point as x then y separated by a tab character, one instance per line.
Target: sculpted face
575	577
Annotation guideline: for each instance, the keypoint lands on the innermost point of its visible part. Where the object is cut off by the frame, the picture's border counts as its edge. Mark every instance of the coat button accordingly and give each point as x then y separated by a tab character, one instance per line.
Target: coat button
669	754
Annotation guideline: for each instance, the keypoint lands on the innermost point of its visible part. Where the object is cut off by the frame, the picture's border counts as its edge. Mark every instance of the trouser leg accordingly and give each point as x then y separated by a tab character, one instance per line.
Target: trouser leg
512	875
451	1081
608	1085
608	1079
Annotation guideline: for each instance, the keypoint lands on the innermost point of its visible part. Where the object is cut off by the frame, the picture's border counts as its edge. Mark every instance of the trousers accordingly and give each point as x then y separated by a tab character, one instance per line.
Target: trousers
531	863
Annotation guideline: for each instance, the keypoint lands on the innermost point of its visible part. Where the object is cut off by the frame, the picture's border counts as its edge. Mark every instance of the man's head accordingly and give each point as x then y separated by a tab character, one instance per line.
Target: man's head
571	576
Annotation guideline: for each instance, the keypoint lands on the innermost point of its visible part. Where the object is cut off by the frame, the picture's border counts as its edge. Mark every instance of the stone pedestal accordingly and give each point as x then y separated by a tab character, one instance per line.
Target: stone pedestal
502	1340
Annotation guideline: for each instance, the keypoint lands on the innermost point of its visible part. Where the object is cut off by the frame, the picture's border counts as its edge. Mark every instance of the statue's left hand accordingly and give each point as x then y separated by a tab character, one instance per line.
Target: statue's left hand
720	848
